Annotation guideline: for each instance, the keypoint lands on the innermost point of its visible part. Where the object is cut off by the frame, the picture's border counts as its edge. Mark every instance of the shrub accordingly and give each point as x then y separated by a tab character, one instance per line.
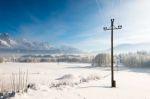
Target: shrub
101	60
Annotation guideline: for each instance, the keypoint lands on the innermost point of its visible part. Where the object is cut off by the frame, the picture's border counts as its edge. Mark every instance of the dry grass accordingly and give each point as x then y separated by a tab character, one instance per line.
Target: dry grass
17	82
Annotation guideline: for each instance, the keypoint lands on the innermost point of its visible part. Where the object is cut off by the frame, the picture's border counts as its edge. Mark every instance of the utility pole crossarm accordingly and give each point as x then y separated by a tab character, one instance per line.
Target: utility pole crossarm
105	28
114	28
119	27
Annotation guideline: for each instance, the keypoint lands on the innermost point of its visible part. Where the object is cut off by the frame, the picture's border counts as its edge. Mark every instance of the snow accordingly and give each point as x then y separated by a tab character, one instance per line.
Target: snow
4	43
131	83
13	42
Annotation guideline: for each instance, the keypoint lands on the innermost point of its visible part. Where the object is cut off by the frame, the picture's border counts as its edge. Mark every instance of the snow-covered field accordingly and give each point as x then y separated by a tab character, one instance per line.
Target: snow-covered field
79	81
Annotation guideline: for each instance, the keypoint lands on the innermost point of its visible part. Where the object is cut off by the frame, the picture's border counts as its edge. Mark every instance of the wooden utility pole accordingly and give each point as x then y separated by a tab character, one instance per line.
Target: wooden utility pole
112	28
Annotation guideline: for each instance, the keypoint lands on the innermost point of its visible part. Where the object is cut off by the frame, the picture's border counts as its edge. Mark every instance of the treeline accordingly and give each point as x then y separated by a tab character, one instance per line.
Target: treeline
49	58
137	59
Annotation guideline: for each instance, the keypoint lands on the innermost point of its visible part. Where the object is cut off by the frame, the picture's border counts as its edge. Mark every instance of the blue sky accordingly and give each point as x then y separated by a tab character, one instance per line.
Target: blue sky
77	23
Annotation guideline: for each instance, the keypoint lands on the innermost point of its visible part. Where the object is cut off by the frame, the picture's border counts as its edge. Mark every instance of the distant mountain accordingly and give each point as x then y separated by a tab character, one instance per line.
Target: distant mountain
10	45
8	42
123	48
5	41
126	48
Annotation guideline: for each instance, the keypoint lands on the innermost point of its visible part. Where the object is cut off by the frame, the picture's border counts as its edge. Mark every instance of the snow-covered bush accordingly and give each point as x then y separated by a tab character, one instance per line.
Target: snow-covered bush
66	80
32	86
101	60
89	78
72	80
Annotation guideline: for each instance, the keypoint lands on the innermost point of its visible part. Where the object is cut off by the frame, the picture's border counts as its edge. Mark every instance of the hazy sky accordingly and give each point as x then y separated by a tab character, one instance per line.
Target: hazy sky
78	23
